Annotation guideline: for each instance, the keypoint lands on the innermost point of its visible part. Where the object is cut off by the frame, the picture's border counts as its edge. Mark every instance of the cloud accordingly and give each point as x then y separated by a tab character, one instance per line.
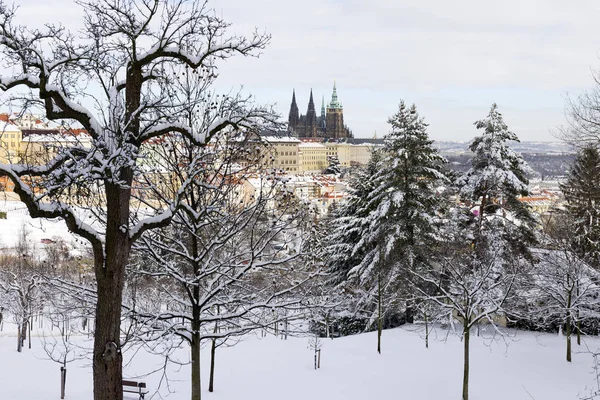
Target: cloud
453	59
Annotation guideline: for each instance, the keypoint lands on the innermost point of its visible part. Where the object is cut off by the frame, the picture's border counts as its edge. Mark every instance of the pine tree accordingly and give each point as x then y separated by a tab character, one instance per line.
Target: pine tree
391	214
334	165
348	222
495	181
490	241
411	170
582	192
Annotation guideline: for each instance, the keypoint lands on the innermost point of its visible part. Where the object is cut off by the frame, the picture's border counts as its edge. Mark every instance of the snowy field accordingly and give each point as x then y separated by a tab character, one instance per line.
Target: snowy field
38	229
529	366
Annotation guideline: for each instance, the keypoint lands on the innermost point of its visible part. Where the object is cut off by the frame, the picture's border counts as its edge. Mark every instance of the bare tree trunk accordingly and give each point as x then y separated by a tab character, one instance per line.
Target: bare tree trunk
195	348
19	341
426	331
578	330
110	278
466	338
568	327
24	331
63	380
213	349
196	323
379	322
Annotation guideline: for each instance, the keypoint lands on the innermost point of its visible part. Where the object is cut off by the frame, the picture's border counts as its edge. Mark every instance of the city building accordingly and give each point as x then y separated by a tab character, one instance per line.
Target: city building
329	124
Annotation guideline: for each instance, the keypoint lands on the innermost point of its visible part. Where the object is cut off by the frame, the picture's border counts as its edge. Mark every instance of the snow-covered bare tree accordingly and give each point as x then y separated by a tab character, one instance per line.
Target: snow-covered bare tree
582	192
21	280
461	283
561	288
583	116
113	79
231	253
484	239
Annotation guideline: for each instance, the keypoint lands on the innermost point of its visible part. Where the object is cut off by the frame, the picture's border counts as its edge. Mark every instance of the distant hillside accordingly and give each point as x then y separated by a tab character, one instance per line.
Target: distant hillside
523	147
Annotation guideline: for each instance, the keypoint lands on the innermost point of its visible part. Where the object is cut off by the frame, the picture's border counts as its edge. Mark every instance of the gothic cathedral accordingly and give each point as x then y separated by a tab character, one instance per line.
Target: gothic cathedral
329	125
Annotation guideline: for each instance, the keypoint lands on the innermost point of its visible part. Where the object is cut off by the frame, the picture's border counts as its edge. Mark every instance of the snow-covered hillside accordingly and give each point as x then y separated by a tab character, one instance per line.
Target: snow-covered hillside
527	366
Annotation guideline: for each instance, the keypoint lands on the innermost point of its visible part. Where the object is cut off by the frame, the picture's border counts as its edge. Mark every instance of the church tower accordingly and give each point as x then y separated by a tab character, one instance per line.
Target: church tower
294	117
335	117
323	117
311	118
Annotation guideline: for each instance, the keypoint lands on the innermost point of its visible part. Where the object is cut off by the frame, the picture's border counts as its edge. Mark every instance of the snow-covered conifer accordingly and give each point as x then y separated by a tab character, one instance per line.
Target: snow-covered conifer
582	192
495	182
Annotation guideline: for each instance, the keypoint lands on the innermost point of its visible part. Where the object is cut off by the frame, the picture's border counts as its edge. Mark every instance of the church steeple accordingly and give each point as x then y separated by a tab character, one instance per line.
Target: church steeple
323	107
334	98
311	113
294	116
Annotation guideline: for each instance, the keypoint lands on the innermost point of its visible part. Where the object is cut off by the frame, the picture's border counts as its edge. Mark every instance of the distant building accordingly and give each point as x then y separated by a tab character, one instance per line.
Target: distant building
329	124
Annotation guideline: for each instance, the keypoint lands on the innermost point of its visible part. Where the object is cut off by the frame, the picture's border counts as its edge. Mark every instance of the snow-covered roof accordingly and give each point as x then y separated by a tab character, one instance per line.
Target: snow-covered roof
8	127
312	144
280	139
51	138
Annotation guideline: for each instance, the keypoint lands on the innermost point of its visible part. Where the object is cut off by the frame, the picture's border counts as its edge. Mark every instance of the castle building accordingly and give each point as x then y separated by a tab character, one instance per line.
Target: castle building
329	124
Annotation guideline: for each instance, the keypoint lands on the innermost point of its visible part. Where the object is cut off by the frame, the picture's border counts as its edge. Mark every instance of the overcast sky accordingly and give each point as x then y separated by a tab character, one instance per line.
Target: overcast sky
452	58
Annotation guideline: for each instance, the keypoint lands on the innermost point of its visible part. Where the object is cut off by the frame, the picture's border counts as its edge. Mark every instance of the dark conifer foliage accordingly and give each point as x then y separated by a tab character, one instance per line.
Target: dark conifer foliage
582	192
496	180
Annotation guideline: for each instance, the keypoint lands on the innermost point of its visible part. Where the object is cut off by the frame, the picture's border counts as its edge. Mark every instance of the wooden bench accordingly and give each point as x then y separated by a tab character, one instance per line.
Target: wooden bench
140	388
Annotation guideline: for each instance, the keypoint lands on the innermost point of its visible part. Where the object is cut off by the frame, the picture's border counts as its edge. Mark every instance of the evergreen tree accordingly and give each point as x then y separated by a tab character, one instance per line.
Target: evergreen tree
495	181
582	192
334	165
391	214
348	223
489	243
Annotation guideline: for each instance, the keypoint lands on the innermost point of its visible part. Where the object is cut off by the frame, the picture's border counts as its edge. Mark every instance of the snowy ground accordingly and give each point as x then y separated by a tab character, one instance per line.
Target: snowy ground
38	229
531	367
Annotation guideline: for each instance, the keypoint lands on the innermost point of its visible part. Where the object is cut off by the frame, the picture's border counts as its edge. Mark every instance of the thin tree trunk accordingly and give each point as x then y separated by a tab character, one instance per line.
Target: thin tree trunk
426	331
466	334
195	348
196	323
213	349
19	341
568	327
578	330
24	331
379	322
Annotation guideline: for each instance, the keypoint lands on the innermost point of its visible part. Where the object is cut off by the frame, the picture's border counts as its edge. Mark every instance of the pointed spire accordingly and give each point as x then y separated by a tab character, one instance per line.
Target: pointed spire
311	114
294	116
334	98
311	102
323	106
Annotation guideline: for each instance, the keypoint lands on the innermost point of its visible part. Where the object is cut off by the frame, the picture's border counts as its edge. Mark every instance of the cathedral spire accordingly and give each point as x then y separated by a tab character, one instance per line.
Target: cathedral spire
334	98
311	114
294	116
311	103
323	107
